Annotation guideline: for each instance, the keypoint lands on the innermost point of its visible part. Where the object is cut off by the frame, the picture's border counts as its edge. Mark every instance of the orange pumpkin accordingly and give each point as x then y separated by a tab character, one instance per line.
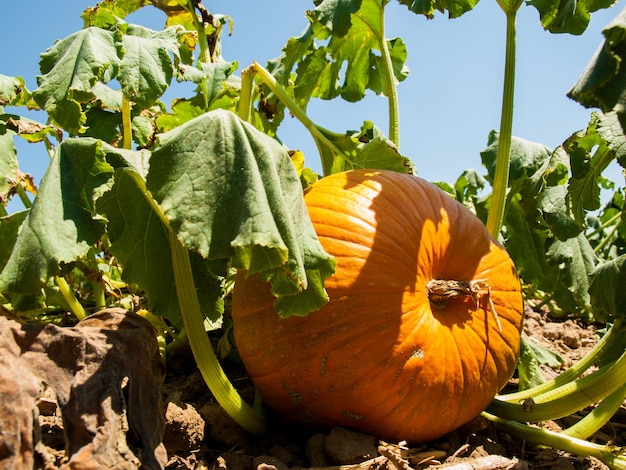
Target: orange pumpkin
423	324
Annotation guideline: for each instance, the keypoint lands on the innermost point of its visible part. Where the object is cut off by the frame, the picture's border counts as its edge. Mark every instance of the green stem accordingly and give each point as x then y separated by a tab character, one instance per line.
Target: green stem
127	129
205	53
96	285
209	366
299	114
599	416
501	177
613	334
193	320
607	238
566	399
75	306
391	92
244	108
23	196
543	437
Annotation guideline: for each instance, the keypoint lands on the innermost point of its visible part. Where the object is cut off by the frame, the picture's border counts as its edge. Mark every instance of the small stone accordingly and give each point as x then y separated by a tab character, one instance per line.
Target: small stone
267	462
349	447
315	450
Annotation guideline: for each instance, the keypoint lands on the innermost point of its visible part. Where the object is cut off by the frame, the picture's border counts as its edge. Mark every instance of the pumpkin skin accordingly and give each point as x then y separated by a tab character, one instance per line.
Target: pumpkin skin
381	357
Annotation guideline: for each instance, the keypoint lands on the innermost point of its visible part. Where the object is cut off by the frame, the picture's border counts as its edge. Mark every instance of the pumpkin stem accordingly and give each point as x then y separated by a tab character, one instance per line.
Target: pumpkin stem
440	292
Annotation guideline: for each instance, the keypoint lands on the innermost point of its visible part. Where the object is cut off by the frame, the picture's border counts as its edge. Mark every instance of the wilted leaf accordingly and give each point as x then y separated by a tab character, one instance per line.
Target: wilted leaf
231	194
70	71
13	91
108	12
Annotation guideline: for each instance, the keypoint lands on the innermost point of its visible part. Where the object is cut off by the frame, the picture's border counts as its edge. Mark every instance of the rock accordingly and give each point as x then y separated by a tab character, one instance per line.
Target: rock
267	462
111	405
315	450
349	447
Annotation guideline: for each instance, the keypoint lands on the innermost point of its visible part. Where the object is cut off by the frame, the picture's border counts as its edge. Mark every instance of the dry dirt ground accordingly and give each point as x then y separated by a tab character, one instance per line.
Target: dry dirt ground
200	435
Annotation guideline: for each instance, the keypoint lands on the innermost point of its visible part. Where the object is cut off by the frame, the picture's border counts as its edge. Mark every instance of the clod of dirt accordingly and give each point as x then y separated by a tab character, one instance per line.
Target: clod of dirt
222	428
184	428
111	406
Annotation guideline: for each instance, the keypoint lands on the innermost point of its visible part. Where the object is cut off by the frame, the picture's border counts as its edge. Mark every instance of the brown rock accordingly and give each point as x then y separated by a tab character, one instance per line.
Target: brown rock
349	447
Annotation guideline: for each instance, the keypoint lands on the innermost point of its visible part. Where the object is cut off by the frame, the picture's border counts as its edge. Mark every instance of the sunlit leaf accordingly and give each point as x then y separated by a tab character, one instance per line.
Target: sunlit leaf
13	91
70	69
567	16
147	66
107	12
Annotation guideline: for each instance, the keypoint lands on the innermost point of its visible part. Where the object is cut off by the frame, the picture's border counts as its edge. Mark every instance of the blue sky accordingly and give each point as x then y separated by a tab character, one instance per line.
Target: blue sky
448	104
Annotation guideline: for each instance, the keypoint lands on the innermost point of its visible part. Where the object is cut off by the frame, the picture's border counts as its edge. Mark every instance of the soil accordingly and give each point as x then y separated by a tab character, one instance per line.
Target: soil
199	434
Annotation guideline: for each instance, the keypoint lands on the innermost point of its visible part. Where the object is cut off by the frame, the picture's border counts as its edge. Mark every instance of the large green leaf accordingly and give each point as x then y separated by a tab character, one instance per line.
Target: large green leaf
347	64
232	194
567	16
62	224
603	83
147	66
71	68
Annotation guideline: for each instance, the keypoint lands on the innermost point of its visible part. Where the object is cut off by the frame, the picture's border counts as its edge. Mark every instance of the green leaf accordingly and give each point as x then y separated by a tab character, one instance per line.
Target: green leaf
9	230
147	66
591	151
182	112
8	162
62	224
13	91
575	261
532	357
139	239
603	82
567	16
232	194
216	82
108	12
349	63
367	148
608	296
71	68
455	8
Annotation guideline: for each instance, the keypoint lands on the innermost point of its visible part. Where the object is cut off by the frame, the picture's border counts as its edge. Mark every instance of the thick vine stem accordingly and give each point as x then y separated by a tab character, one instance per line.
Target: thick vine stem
501	178
599	416
193	320
392	92
66	291
614	333
566	399
209	366
611	456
